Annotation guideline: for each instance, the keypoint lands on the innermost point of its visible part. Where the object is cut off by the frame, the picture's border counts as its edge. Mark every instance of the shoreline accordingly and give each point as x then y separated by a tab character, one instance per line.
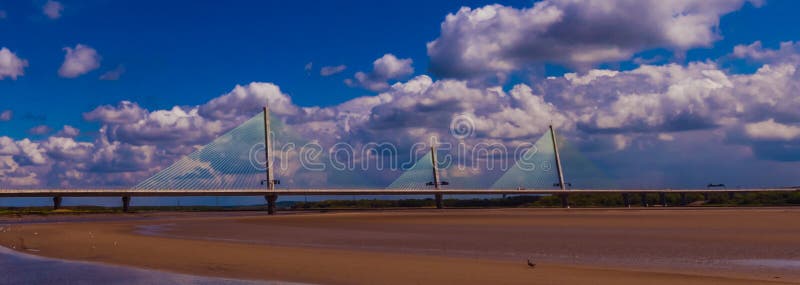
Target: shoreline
252	246
71	271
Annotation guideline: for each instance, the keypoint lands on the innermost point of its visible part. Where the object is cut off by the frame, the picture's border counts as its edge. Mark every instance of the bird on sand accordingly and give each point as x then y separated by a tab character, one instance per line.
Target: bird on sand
531	264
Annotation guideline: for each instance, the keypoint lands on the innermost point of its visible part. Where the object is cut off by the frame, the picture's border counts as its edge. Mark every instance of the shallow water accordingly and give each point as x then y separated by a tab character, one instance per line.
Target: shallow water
19	268
771	263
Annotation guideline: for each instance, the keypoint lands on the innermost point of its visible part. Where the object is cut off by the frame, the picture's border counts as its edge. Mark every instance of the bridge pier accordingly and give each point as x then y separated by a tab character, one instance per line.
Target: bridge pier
439	201
662	198
564	200
271	199
705	196
644	199
126	203
626	200
57	202
683	199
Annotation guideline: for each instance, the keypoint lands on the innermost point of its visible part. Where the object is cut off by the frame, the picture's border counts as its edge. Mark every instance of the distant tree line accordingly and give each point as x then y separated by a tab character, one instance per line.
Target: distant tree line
576	200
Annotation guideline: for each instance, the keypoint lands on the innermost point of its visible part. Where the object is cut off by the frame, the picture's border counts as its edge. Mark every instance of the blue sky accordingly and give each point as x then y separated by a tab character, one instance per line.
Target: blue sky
187	53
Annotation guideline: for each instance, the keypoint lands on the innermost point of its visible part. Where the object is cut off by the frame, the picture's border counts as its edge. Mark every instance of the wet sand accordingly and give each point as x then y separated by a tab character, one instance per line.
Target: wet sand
597	246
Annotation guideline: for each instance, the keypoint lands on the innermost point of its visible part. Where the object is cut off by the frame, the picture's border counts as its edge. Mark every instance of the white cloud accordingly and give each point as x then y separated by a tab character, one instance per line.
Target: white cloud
647	99
64	148
31	153
788	51
52	9
125	112
11	66
612	116
8	146
68	132
386	68
167	127
495	40
6	115
331	70
78	61
113	74
40	130
248	100
771	130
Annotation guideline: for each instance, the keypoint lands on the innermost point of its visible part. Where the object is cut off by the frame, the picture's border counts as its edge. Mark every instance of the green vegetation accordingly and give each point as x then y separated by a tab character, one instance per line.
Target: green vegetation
576	200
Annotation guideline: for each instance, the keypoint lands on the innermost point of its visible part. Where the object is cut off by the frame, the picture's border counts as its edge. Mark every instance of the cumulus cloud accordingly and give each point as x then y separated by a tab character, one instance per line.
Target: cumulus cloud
78	61
331	70
248	99
6	115
68	132
11	66
756	52
495	40
771	130
654	111
648	99
52	9
386	68
125	112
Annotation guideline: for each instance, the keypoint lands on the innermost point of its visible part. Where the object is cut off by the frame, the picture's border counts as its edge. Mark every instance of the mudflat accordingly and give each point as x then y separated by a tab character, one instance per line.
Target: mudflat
452	246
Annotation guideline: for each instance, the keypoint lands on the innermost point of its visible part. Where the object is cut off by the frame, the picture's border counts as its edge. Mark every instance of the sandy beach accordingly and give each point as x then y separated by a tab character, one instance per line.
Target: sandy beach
455	246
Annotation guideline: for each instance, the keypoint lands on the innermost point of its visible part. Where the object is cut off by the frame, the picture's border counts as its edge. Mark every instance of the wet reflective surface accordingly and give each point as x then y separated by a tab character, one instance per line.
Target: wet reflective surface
19	268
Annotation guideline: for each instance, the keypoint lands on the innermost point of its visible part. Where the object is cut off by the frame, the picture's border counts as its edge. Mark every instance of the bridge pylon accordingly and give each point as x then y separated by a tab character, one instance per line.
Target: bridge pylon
436	182
565	196
270	196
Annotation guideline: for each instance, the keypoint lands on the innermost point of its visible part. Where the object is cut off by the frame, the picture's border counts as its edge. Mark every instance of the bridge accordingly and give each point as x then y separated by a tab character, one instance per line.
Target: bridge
126	194
155	186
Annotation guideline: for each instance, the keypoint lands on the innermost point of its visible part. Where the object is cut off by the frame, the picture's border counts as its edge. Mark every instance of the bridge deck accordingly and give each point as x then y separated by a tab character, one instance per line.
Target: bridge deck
300	192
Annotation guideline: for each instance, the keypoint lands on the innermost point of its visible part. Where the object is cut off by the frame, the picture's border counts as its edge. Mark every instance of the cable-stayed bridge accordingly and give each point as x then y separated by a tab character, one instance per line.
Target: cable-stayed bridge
229	166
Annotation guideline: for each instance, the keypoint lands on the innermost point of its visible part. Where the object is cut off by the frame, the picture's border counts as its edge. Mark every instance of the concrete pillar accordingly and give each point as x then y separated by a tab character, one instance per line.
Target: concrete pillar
683	199
663	198
56	202
644	199
271	198
126	203
439	202
564	200
705	196
626	199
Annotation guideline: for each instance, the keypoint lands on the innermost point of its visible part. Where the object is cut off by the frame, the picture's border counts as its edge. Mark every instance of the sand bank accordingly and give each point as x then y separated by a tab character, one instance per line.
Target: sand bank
707	246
